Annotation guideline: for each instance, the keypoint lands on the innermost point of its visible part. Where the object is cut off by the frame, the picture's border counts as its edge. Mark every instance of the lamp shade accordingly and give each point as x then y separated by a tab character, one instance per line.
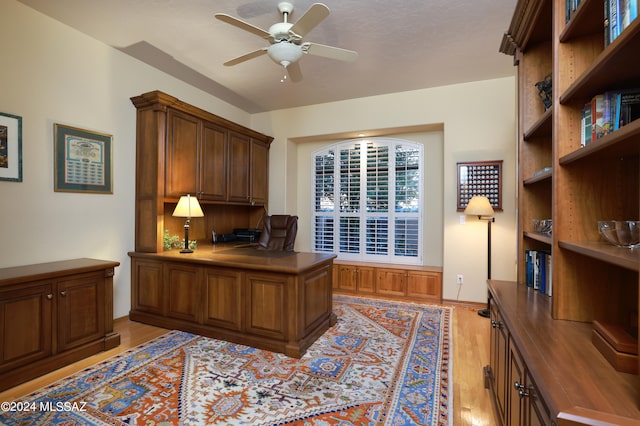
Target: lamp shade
479	206
284	53
188	206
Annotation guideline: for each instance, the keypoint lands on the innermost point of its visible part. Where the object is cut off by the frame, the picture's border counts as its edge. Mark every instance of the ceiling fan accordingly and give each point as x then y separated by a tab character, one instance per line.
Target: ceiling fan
286	45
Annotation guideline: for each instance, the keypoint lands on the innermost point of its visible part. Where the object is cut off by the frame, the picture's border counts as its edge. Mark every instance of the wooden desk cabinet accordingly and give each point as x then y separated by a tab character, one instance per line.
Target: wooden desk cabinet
53	314
276	302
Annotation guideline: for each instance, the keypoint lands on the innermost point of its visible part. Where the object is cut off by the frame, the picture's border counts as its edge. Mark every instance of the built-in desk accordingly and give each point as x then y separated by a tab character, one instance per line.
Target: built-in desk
276	301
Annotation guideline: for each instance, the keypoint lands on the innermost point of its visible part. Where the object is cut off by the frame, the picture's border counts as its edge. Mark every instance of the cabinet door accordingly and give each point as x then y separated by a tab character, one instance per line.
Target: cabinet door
347	277
366	278
213	163
81	305
266	305
499	361
239	161
424	285
25	325
183	292
223	298
538	413
259	173
517	390
181	154
147	288
391	282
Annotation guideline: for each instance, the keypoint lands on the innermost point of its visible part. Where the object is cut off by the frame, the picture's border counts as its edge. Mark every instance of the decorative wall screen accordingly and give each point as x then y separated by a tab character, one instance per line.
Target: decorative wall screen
480	178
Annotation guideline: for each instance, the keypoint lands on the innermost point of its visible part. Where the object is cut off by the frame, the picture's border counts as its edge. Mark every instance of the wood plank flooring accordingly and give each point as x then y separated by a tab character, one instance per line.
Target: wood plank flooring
470	342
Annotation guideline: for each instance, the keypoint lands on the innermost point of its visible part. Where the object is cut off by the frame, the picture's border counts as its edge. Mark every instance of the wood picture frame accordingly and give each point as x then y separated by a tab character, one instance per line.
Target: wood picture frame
480	178
82	160
10	147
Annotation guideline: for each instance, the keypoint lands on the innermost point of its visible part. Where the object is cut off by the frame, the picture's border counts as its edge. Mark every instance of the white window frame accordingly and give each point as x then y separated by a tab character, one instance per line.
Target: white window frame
362	214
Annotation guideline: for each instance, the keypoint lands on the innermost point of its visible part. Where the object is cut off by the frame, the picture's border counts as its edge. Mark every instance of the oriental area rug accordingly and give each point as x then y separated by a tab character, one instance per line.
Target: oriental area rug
381	363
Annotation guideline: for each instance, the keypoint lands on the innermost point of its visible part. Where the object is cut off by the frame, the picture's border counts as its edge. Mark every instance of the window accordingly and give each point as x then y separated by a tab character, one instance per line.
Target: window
367	200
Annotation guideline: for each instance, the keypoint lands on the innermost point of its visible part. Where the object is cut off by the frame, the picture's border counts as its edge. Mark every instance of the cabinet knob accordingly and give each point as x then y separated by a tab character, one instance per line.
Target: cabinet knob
49	296
63	293
522	389
496	324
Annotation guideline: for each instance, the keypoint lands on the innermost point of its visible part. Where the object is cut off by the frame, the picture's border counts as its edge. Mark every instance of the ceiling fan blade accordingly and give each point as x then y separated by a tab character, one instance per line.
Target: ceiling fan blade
294	72
311	18
246	57
329	52
242	25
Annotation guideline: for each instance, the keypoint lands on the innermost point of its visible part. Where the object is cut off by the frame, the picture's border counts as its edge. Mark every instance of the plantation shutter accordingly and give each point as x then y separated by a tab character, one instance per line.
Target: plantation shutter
377	186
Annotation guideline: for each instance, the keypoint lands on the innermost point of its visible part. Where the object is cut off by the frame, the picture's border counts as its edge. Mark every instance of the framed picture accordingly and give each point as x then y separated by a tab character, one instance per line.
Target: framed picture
480	178
82	160
10	147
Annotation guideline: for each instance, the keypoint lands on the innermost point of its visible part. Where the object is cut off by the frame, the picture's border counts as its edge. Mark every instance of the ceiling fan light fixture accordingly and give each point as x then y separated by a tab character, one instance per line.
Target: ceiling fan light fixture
284	53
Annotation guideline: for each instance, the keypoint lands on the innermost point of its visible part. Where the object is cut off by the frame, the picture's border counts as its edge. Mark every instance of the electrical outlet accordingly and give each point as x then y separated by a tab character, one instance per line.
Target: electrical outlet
459	279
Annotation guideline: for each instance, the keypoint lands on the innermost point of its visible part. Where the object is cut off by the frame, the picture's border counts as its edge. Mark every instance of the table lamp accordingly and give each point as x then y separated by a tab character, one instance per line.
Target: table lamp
188	207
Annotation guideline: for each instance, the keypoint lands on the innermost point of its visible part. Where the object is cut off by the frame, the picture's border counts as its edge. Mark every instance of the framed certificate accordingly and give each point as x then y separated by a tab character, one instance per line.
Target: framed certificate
82	160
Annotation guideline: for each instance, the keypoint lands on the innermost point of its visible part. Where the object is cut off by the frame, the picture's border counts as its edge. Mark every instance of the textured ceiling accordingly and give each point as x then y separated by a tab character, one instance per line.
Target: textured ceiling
402	45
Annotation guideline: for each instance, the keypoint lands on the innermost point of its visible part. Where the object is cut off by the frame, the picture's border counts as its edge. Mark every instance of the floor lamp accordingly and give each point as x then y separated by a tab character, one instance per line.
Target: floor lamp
188	207
481	207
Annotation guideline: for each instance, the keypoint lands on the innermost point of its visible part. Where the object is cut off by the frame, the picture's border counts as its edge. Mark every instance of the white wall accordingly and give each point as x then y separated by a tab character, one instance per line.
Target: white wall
51	73
479	124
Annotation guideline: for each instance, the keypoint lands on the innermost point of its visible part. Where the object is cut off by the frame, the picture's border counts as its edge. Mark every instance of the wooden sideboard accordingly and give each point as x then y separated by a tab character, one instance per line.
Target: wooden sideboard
411	282
277	301
53	314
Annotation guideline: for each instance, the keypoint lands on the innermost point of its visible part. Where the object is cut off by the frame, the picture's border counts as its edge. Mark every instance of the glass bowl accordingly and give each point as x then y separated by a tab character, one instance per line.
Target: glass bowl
621	233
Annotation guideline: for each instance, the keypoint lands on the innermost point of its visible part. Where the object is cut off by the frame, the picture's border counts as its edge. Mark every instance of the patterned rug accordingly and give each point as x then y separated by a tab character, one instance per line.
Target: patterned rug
382	363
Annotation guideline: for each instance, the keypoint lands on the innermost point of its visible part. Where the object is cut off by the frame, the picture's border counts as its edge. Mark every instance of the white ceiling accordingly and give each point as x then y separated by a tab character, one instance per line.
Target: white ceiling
402	45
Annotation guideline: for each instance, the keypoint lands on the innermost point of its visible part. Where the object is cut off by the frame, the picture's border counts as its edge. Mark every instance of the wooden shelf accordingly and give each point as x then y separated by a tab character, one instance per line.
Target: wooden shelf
544	238
587	19
609	71
625	258
543	176
625	141
541	128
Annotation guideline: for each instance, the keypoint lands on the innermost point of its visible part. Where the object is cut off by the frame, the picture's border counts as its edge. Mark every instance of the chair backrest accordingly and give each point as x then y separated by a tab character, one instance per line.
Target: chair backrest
279	232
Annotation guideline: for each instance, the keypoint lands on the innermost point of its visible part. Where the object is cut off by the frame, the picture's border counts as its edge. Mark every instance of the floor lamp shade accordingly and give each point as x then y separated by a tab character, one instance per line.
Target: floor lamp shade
188	207
481	206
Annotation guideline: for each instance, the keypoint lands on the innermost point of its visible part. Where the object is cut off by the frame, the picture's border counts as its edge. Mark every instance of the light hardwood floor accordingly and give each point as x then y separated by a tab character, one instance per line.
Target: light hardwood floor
469	338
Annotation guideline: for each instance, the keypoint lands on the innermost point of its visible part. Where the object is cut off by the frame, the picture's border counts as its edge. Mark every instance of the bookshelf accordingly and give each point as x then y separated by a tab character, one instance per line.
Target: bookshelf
578	186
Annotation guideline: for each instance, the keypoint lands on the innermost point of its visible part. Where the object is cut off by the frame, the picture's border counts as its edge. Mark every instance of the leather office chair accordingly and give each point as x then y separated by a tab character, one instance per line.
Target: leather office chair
279	232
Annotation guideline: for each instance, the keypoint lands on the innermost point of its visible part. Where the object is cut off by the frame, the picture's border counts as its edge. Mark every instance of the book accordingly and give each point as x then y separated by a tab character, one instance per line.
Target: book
611	11
549	275
597	117
627	13
586	112
607	26
627	107
528	258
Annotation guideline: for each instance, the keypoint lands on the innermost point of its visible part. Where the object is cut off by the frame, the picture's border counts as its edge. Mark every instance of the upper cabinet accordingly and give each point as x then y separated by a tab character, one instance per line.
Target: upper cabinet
183	150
